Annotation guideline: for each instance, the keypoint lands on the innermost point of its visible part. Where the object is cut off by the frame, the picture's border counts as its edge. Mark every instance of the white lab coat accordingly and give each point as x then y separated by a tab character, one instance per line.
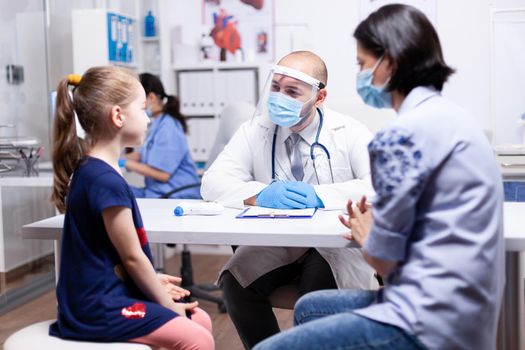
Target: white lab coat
244	168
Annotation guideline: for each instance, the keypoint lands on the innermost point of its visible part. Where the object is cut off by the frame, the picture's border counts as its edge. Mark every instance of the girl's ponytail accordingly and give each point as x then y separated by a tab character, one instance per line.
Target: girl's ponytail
68	149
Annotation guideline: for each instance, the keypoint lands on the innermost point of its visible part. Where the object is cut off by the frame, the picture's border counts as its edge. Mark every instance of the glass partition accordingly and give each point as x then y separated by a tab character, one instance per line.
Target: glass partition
26	267
36	51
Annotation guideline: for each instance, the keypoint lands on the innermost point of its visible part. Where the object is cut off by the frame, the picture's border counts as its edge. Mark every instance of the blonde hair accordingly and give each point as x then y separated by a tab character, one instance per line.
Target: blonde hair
92	97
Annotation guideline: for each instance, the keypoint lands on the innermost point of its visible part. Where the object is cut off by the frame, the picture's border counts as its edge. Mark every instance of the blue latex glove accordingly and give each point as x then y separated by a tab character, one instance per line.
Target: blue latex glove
277	195
312	200
122	162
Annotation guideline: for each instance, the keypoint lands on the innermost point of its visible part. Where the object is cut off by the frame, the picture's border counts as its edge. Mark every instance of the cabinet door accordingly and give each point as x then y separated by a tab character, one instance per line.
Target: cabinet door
236	85
193	137
208	132
21	205
201	136
196	93
508	78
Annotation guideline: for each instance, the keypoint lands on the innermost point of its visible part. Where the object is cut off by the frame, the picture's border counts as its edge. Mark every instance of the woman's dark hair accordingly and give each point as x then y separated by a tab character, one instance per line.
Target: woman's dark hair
152	83
405	35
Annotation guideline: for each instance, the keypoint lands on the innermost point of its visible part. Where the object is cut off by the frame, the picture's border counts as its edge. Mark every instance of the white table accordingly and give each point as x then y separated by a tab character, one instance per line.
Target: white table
323	230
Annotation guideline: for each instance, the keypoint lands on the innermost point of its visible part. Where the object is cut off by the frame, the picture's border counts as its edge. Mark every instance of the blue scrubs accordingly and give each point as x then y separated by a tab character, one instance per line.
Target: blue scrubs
166	149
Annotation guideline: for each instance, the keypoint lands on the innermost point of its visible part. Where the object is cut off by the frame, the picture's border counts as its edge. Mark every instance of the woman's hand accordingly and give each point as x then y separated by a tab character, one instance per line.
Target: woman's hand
359	221
181	308
172	285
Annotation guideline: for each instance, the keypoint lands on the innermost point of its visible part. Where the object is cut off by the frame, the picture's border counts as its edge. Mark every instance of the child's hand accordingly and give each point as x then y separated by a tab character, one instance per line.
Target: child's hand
171	285
182	308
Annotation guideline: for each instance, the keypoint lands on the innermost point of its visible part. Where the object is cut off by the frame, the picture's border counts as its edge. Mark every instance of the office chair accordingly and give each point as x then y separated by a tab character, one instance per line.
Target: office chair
229	121
200	291
179	189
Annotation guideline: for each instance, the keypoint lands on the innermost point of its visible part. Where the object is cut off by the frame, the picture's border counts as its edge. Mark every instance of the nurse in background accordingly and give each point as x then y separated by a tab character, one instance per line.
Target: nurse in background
164	160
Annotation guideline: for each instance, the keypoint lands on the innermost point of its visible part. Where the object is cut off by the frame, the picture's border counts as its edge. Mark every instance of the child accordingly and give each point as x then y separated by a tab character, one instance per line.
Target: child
108	290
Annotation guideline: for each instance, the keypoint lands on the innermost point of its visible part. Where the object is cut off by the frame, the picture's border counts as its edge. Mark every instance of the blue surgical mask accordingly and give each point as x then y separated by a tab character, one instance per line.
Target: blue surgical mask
375	96
149	113
284	111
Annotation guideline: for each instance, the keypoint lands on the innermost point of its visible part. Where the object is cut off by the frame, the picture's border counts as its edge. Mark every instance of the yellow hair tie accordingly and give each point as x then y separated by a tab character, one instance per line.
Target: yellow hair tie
74	79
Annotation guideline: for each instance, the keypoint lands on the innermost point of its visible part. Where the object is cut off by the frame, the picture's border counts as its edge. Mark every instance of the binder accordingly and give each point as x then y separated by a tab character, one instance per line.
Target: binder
112	36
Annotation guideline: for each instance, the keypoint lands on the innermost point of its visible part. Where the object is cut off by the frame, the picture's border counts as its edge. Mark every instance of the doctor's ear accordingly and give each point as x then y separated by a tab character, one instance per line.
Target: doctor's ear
321	96
117	118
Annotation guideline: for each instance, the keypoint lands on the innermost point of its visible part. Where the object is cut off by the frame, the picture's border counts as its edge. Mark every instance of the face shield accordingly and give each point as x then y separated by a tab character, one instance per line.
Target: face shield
288	97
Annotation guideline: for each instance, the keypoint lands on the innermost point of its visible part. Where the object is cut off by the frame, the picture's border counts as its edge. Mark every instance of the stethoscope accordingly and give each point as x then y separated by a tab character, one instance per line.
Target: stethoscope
312	149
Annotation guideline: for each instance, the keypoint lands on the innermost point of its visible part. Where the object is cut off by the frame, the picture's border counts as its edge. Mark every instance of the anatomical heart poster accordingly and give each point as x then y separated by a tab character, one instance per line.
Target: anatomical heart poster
241	30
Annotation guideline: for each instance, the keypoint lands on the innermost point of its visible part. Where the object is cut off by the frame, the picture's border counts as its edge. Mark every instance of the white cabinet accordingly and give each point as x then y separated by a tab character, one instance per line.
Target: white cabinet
23	200
101	38
206	89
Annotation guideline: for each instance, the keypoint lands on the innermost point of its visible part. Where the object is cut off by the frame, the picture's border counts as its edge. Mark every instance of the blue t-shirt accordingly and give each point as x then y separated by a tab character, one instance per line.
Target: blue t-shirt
97	300
166	149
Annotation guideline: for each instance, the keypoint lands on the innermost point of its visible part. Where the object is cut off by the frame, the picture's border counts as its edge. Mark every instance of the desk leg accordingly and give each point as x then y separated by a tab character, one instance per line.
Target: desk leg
158	257
57	244
510	327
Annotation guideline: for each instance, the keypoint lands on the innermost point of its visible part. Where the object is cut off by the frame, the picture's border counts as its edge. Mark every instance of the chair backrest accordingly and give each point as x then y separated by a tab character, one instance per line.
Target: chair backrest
179	189
231	117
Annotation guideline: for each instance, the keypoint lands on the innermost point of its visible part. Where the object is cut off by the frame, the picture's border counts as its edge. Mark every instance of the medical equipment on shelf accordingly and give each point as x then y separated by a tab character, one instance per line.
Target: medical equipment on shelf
149	25
198	208
19	156
313	146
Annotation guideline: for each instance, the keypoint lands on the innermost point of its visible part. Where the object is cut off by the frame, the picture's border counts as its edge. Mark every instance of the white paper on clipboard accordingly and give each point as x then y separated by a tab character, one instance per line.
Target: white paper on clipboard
261	212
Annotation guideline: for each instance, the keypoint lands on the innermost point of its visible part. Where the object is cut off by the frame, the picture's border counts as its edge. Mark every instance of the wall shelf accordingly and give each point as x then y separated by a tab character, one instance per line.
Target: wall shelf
103	38
150	39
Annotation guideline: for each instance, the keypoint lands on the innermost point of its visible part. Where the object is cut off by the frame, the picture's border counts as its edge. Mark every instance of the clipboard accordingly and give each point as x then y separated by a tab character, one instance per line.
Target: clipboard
270	213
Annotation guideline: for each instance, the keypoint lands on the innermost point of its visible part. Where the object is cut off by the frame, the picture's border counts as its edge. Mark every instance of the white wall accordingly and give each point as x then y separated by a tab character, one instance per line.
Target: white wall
12	97
464	31
177	15
463	27
330	36
60	28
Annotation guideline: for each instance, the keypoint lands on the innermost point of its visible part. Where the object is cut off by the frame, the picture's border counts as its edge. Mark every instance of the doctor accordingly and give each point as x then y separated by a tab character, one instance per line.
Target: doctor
294	153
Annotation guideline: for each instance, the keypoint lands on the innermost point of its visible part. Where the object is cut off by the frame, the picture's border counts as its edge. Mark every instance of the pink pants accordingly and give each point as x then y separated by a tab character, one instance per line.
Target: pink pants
181	333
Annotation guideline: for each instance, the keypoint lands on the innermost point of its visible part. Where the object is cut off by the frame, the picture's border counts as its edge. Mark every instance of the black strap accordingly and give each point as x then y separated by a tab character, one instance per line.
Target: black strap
178	189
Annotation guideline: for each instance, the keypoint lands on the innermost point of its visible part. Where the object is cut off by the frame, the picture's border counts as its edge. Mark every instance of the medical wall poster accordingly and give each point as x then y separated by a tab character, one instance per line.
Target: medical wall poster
242	30
428	7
